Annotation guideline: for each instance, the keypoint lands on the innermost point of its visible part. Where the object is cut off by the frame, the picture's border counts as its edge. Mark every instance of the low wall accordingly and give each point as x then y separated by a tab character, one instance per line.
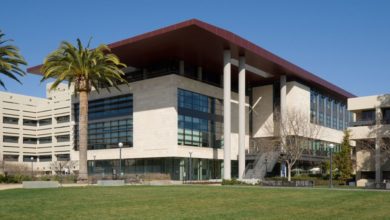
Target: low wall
111	182
40	184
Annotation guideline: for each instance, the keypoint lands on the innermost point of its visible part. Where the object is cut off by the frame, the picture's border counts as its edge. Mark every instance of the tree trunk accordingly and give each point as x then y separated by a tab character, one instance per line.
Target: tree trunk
83	136
289	172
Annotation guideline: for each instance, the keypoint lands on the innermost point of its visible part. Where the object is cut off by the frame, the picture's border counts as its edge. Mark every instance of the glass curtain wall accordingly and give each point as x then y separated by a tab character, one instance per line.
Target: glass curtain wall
328	111
200	120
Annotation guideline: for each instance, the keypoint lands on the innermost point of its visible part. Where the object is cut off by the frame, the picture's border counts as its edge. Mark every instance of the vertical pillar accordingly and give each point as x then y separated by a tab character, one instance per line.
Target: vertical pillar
283	97
181	67
226	113
378	147
241	118
283	113
200	73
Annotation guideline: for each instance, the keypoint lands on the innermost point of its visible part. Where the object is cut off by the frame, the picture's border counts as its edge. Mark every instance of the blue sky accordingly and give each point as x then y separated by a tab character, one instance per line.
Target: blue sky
345	42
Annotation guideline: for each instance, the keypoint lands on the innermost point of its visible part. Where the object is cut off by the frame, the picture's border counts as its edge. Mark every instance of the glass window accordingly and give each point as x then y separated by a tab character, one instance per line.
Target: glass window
198	121
63	138
63	119
29	122
45	140
10	120
108	107
10	139
46	121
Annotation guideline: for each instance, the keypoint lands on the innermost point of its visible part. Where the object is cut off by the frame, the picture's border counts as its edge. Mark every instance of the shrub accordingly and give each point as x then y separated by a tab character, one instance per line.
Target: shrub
233	182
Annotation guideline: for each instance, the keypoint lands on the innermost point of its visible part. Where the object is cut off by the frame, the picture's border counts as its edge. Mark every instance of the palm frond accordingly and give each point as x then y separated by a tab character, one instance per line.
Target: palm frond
83	67
10	60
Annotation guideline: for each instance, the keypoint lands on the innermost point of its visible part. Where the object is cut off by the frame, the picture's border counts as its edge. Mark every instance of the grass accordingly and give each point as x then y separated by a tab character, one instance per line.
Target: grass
192	202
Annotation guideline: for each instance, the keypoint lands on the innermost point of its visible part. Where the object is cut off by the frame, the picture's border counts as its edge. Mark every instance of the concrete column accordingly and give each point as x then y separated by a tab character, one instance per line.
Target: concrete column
241	118
283	104
378	176
226	113
200	73
181	67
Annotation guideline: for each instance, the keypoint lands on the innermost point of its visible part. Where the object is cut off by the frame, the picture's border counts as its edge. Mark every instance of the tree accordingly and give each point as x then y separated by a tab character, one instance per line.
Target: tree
60	167
85	68
294	137
10	60
343	160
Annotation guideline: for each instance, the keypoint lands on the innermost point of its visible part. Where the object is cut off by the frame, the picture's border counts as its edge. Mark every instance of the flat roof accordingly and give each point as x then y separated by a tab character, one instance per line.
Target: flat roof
202	44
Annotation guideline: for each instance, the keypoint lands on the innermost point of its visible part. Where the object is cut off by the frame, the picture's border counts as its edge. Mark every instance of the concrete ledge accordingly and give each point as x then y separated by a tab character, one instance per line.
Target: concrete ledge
40	184
110	182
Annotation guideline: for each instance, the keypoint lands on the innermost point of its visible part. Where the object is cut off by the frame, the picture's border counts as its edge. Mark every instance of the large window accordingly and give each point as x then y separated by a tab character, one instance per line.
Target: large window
29	140
200	120
327	111
10	139
63	138
10	120
46	121
29	122
106	135
108	107
45	140
63	119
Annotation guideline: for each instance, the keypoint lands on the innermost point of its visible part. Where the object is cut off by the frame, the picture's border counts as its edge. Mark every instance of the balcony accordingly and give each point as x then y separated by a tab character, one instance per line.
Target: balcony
362	123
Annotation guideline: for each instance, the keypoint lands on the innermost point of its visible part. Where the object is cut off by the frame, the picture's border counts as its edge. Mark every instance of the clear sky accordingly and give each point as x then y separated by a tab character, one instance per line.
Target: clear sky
345	42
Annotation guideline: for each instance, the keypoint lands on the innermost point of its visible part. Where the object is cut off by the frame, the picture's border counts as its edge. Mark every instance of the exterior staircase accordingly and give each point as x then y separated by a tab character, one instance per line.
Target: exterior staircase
264	161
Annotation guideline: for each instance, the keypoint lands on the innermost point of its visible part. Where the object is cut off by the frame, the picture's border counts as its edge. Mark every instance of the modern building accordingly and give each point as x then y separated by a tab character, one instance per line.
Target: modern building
370	130
35	129
198	98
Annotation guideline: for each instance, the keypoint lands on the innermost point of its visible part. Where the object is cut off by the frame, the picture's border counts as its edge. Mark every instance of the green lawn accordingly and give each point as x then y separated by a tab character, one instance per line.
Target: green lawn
192	202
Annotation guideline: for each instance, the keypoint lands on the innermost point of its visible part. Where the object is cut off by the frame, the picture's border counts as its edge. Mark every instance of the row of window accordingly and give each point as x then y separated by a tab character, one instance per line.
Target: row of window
198	102
41	140
106	135
199	120
328	112
34	123
108	107
34	158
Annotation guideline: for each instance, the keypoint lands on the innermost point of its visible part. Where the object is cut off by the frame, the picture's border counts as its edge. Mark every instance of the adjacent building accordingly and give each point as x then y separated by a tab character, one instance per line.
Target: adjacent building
370	130
198	99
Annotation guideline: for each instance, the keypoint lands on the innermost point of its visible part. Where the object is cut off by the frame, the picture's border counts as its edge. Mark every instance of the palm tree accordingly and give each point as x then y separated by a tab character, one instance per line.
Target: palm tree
10	59
85	68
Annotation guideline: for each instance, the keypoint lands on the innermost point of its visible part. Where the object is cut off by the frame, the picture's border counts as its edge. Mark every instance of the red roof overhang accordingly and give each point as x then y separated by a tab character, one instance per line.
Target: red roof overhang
199	43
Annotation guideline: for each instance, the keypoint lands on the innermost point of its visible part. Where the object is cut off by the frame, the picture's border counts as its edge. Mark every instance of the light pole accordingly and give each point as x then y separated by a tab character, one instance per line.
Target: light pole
94	164
32	167
120	145
331	146
190	165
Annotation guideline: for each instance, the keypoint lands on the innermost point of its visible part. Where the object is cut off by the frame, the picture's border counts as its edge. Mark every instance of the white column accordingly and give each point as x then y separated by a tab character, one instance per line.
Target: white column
283	97
226	114
181	67
378	138
283	111
241	118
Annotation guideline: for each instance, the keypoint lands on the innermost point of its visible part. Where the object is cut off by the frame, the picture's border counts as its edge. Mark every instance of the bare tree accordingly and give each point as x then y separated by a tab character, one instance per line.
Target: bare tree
60	167
293	136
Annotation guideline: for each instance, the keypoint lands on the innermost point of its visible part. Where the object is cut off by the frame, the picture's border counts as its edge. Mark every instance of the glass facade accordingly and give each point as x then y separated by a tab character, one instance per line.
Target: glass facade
321	148
328	112
108	107
200	120
105	131
168	168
